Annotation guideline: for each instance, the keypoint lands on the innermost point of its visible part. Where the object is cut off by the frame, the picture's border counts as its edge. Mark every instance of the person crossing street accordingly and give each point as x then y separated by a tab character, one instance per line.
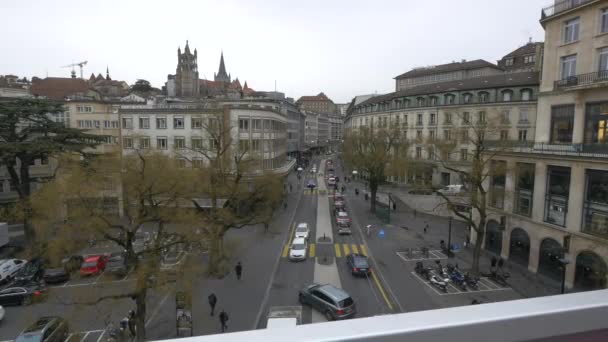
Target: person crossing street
212	302
238	269
223	320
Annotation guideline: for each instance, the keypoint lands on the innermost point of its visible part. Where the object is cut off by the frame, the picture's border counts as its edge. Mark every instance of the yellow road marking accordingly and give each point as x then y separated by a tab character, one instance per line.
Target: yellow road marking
312	250
363	250
286	248
355	250
390	306
285	251
346	249
338	252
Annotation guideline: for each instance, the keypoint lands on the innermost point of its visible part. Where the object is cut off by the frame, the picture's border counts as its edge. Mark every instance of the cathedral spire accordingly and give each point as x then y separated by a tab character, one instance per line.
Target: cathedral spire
108	73
222	75
187	48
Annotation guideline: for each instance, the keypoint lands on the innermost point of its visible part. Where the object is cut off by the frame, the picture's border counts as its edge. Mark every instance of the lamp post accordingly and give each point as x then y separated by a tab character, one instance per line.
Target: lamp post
564	262
450	237
389	207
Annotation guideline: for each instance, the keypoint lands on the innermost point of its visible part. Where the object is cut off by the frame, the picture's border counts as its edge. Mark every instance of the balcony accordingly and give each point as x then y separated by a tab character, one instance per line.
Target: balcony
562	6
583	80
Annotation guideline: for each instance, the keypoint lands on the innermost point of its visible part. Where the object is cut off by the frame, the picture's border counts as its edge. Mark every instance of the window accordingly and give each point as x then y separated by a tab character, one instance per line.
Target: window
433	100
197	123
562	122
481	117
447	134
267	124
524	189
464	136
161	143
603	61
419	134
604	20
256	124
596	203
529	59
504	135
571	28
197	143
144	142
522	135
524	115
449	99
420	101
418	152
178	122
179	143
255	145
144	123
596	123
127	142
464	154
419	120
568	66
483	97
556	196
509	61
181	163
447	118
244	145
197	163
504	116
161	122
244	125
84	109
433	119
466	118
506	95
432	135
127	123
526	94
467	98
497	183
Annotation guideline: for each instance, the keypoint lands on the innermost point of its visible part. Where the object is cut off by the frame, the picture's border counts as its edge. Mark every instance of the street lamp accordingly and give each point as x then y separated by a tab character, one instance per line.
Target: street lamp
450	237
564	262
389	207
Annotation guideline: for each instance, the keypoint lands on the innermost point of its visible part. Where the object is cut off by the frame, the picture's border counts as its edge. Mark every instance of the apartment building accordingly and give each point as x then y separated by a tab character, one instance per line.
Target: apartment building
555	206
319	103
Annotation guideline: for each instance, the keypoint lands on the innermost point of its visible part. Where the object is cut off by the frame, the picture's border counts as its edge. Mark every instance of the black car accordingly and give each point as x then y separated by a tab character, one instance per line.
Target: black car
32	271
117	265
46	329
22	295
56	275
358	264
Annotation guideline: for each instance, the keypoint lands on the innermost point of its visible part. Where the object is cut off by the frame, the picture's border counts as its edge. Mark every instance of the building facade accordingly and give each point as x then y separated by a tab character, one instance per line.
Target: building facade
319	103
556	203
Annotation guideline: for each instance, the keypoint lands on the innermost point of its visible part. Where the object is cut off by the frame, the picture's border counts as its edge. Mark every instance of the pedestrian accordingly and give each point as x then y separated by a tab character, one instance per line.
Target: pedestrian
464	244
426	227
266	227
394	206
290	187
285	205
369	229
223	320
238	269
131	323
212	302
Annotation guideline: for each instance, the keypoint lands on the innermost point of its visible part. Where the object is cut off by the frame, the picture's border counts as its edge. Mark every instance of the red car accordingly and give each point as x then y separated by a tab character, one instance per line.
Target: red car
93	265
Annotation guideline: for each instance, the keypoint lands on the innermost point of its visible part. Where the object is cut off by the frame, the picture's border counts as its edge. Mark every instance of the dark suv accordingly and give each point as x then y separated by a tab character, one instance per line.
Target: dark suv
358	264
46	329
333	302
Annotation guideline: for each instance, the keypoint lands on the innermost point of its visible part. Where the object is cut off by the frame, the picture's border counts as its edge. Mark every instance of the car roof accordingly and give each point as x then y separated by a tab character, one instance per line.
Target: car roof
342	213
334	292
40	324
92	258
302	224
298	240
358	256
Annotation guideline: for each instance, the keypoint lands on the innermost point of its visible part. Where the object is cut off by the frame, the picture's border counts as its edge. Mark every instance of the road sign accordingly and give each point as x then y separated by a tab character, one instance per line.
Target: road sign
381	233
455	247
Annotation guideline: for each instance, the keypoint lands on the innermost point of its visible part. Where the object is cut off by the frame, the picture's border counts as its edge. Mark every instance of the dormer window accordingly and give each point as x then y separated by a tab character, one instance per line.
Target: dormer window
449	99
467	98
509	61
507	95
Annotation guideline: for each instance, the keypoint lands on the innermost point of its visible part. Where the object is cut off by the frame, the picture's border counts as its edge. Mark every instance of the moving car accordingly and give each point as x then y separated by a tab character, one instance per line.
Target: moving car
297	251
331	301
46	329
342	219
302	231
93	265
358	264
117	265
311	184
55	275
338	197
331	181
32	271
452	189
9	267
21	295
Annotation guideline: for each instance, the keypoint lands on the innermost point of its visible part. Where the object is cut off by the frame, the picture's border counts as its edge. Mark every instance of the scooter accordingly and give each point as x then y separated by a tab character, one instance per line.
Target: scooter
471	281
458	279
438	282
423	271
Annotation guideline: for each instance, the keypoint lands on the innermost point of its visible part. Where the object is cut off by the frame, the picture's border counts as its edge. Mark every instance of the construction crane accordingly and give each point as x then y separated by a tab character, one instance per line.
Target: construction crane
81	64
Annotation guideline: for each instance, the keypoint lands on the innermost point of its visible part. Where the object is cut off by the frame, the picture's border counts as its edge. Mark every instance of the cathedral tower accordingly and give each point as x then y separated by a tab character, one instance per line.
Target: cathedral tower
186	74
221	75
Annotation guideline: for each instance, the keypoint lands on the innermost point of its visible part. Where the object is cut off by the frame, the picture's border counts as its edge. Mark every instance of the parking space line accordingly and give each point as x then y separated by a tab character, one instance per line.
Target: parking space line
85	336
346	249
338	251
426	283
363	250
101	336
458	291
355	250
312	250
70	336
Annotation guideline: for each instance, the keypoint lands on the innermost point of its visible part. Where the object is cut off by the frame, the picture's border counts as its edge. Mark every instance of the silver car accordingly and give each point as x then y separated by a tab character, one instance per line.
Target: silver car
334	303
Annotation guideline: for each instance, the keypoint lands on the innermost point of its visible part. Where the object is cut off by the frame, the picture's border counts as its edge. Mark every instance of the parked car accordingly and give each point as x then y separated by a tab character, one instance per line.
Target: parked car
339	202
9	267
297	251
93	265
452	189
358	264
311	184
420	191
32	271
331	301
2	312
55	275
344	230
342	219
117	265
46	329
338	197
72	263
22	295
302	231
331	181
172	260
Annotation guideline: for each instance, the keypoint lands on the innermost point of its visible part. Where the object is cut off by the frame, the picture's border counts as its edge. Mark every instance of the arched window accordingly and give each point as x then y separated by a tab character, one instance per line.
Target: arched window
449	99
433	100
526	94
420	101
493	237
507	95
590	273
467	98
484	96
519	250
549	253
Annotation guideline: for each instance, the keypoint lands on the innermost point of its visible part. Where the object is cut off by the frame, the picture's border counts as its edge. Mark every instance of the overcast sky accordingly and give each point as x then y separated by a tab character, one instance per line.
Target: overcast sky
343	48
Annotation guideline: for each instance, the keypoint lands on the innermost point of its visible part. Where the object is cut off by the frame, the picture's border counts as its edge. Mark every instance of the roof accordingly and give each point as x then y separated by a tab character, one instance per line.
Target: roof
58	88
527	49
493	81
319	97
455	66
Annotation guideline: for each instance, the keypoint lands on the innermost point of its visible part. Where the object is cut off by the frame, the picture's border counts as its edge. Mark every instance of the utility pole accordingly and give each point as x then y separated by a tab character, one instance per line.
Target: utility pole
450	237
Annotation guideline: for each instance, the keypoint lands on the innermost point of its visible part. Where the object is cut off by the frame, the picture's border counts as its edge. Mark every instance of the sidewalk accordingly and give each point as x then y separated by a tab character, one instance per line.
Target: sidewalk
526	283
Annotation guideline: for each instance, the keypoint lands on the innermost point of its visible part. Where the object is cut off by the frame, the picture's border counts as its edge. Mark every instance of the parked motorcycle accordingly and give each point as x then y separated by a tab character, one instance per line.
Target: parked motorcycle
423	271
471	281
500	278
438	282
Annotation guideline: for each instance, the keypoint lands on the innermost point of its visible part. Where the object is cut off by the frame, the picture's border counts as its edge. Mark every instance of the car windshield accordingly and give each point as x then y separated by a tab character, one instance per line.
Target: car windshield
89	264
35	337
297	246
301	229
361	263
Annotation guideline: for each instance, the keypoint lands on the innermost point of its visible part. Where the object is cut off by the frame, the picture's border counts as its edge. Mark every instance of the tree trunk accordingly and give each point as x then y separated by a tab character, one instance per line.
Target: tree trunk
140	313
373	187
216	254
25	186
477	251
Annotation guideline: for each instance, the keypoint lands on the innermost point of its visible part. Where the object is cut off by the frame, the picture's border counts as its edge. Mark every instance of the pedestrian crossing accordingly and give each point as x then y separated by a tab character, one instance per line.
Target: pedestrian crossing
341	250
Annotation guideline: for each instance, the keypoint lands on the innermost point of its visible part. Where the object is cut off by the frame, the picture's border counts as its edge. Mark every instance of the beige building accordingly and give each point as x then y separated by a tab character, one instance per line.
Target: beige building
556	192
319	103
96	117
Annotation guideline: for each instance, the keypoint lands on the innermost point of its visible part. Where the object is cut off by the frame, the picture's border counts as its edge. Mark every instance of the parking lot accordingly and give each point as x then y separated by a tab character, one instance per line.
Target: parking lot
82	336
484	285
417	255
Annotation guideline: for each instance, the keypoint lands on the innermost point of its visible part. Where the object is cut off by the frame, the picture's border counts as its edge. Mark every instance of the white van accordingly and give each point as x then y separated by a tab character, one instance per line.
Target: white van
452	189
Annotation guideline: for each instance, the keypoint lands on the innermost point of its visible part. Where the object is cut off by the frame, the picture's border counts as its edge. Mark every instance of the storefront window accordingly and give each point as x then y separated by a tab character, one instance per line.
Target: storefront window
524	189
596	123
596	203
556	197
497	194
562	122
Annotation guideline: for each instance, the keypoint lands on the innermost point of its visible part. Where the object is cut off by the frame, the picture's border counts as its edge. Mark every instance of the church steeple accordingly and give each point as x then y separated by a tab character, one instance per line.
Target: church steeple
108	73
222	75
187	48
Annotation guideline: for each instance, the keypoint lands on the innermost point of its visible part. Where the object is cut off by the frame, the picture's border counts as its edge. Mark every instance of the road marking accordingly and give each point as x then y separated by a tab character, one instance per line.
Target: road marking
85	335
289	238
355	249
346	249
390	305
312	250
101	335
363	250
338	252
285	251
157	309
457	290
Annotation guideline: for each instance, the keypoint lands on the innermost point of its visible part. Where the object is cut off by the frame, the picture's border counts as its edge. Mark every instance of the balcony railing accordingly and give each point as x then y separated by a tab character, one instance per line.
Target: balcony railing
561	6
582	80
571	150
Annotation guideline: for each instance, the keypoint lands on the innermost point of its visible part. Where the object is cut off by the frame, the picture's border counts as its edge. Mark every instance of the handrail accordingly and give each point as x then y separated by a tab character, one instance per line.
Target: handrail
561	6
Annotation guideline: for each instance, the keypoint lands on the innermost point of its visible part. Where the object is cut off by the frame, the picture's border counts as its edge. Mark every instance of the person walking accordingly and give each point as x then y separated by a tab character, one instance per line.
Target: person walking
131	323
223	320
394	206
212	302
290	187
285	205
238	269
426	227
